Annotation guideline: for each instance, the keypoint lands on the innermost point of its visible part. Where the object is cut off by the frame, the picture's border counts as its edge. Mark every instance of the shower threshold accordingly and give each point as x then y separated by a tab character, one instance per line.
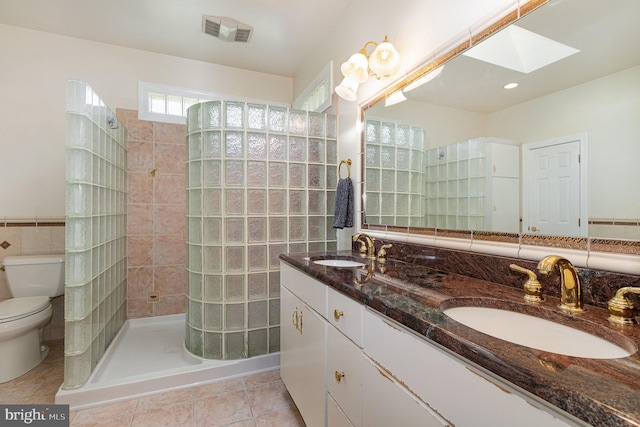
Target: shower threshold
147	357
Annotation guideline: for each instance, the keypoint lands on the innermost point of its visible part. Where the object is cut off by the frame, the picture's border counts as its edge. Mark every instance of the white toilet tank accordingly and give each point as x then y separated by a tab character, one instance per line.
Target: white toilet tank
35	275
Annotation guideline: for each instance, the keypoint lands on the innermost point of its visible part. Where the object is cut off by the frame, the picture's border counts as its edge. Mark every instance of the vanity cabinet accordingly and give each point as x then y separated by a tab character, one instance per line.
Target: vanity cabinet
458	392
320	350
347	365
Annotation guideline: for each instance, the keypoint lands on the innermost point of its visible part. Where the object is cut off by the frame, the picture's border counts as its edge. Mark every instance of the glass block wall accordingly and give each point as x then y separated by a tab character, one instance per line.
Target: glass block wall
394	174
456	186
260	181
96	250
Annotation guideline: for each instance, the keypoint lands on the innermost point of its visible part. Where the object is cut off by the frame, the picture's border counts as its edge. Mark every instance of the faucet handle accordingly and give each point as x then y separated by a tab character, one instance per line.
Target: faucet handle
532	288
382	252
622	310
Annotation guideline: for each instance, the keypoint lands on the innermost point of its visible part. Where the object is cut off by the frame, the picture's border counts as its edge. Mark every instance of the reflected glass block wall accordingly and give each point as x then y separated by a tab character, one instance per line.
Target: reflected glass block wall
96	249
260	181
394	174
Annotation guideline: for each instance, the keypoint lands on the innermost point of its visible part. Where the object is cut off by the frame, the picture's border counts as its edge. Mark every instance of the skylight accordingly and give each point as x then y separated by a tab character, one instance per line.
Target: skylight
520	50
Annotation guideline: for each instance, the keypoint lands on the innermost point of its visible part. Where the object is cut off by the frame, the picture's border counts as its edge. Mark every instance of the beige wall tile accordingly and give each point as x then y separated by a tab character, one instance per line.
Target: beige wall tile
169	219
139	156
171	133
170	189
170	158
139	188
140	250
168	250
36	240
139	281
172	304
170	279
139	219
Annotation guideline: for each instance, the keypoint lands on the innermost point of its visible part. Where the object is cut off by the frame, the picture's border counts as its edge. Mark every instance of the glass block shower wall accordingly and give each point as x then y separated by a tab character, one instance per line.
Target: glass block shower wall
96	263
260	181
394	174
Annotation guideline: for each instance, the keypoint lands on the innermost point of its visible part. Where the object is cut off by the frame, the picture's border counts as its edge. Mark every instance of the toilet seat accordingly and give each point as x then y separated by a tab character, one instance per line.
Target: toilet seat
18	308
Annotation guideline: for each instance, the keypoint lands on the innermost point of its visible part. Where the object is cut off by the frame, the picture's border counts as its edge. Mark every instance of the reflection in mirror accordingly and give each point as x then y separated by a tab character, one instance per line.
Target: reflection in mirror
556	155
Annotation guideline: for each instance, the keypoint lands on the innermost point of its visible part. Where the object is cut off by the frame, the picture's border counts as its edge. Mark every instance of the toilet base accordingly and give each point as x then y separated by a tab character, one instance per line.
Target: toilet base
21	347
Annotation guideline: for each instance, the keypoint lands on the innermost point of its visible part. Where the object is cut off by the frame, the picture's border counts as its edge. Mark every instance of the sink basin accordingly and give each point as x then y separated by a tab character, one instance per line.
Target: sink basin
536	332
340	263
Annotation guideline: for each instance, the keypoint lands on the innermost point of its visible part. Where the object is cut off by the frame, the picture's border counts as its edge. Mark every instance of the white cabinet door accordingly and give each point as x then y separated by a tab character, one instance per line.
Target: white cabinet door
344	374
302	357
385	403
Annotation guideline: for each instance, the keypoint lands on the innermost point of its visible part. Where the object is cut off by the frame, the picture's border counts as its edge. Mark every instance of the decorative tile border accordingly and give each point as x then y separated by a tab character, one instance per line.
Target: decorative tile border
564	242
629	247
34	224
596	244
496	237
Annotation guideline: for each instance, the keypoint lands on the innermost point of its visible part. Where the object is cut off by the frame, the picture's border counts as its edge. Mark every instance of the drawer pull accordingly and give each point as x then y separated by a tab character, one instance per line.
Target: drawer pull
296	319
339	376
337	314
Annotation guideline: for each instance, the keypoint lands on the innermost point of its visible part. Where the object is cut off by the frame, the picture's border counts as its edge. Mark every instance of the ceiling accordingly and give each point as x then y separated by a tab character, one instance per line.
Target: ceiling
285	31
607	38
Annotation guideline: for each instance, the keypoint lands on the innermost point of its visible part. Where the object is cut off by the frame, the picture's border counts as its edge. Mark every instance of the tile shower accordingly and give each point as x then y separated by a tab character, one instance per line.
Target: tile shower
96	222
260	181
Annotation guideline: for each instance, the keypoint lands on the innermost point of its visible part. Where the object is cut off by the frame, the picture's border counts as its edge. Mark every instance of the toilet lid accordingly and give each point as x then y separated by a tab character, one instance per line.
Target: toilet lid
16	308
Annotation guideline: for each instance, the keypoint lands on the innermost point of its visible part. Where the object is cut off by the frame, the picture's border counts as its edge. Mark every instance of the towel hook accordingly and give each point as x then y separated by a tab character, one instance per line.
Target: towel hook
348	163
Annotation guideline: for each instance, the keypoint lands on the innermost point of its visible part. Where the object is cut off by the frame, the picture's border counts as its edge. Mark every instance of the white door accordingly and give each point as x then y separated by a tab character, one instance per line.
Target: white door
554	196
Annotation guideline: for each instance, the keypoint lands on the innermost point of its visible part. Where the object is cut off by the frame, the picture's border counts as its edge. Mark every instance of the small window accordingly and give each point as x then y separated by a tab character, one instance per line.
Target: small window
169	104
317	96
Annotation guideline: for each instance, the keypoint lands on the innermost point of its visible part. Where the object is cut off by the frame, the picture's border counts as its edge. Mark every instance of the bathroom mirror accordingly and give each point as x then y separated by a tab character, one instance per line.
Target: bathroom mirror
592	95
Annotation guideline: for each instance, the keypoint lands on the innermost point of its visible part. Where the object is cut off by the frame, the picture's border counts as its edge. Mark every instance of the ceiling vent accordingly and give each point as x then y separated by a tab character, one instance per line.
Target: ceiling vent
226	29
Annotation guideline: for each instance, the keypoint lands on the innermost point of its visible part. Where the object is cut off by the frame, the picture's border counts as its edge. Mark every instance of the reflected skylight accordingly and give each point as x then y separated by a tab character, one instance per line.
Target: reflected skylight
520	50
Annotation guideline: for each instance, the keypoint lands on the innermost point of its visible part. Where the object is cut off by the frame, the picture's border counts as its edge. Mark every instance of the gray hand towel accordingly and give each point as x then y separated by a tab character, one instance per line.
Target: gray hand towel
343	215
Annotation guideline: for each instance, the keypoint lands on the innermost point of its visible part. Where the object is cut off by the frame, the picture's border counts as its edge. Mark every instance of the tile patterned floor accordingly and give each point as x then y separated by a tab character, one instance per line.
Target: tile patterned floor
258	400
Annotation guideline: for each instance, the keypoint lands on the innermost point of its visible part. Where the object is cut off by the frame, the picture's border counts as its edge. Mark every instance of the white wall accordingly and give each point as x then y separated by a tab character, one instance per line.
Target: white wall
33	74
442	125
607	109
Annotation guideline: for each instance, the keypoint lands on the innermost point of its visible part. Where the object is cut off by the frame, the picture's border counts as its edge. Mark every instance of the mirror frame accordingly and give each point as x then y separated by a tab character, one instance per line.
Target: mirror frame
490	241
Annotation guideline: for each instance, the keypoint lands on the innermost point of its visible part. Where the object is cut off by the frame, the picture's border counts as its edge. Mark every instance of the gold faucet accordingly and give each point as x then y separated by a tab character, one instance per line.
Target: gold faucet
621	309
371	249
371	269
570	292
532	288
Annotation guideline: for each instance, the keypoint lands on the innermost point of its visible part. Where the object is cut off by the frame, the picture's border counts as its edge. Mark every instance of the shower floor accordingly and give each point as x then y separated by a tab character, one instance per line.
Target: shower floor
148	357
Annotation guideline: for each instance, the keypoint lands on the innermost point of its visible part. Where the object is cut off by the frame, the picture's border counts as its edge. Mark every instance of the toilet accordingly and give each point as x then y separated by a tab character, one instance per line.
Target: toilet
32	280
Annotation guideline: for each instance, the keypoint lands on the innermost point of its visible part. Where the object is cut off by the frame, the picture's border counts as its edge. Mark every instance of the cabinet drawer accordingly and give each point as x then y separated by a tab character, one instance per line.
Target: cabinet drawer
386	403
345	314
335	416
448	384
309	290
344	374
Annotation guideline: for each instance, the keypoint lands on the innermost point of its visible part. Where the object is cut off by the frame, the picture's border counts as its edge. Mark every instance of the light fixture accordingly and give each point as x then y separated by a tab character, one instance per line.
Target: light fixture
395	98
511	85
384	61
424	79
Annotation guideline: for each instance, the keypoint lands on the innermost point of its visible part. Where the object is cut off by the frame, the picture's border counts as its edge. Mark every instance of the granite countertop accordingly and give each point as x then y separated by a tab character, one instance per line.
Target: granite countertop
601	392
